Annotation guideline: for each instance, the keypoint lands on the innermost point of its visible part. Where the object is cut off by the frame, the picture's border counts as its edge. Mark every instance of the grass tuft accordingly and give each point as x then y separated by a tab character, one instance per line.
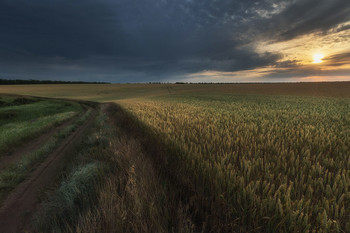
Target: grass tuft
73	196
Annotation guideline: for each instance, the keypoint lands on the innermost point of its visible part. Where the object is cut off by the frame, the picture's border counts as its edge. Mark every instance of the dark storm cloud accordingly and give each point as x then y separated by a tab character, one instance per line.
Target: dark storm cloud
338	59
46	29
308	16
135	40
304	73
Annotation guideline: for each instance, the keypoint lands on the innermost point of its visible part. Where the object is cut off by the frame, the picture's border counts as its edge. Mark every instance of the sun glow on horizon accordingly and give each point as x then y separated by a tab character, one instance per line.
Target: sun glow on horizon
318	58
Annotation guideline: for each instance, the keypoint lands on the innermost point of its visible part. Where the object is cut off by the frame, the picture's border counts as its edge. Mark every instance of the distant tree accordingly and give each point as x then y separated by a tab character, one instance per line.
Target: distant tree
32	81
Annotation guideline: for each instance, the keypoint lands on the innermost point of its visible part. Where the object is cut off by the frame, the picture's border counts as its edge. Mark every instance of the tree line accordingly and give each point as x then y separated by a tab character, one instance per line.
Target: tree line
32	81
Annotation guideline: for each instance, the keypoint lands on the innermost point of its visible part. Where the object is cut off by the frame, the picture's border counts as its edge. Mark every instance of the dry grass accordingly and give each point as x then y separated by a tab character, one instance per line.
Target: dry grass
132	199
135	197
129	194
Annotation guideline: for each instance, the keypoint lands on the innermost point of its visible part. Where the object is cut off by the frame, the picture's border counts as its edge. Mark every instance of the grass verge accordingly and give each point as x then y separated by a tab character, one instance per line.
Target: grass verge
76	188
22	118
112	186
16	173
14	134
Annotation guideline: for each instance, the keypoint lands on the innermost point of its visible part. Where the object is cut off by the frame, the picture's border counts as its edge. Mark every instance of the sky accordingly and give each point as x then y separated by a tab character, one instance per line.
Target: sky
122	41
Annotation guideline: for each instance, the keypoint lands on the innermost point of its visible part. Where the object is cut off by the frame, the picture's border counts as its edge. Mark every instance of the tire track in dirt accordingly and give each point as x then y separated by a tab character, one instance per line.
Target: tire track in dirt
18	208
32	145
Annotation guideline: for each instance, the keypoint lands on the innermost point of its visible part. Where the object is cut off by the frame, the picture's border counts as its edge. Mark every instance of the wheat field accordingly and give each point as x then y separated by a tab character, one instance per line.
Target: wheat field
252	157
277	163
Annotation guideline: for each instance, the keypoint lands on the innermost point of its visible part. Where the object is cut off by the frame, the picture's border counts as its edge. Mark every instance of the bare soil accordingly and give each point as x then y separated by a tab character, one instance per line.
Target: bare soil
31	145
18	208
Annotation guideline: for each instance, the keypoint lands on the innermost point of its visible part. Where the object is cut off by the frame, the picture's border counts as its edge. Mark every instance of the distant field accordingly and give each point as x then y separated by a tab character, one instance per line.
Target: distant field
245	157
111	92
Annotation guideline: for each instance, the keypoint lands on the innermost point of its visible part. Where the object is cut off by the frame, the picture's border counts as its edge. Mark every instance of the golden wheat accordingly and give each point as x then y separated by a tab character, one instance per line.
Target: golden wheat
278	163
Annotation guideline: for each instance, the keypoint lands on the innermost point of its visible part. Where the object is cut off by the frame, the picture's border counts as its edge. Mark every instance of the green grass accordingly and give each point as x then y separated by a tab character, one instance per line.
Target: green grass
75	195
16	173
6	100
20	122
13	134
32	111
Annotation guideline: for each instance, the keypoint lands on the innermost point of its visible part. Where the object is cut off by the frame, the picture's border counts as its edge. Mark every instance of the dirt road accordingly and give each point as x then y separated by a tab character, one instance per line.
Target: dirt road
31	145
18	208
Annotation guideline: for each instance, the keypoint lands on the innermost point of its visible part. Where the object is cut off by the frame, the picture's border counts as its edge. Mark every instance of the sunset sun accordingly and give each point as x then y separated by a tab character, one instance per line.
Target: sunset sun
318	57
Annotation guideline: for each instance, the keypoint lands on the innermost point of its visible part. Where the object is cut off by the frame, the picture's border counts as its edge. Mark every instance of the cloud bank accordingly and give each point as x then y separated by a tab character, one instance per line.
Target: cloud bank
155	40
